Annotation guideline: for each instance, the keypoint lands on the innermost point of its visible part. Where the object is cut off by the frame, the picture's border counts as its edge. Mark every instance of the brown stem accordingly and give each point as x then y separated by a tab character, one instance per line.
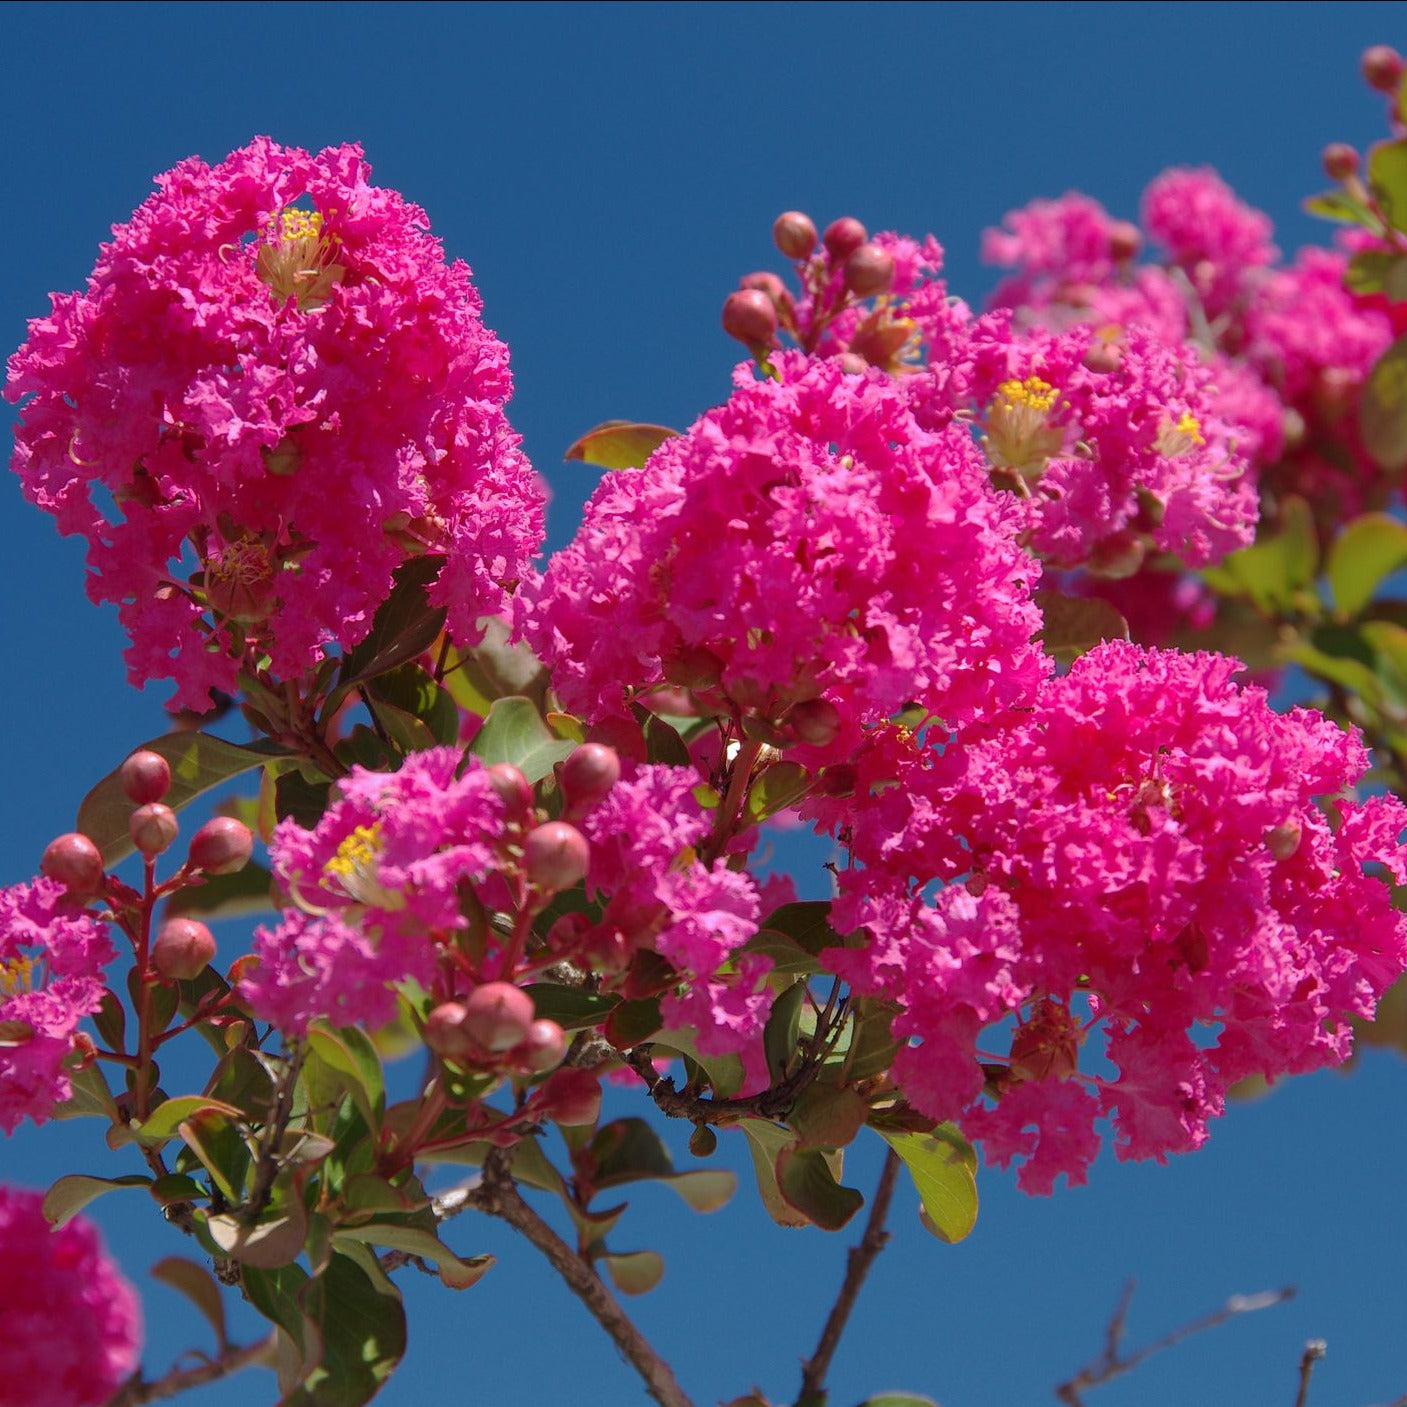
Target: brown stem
267	1168
1313	1352
499	1196
141	1103
857	1267
769	1103
138	1391
733	800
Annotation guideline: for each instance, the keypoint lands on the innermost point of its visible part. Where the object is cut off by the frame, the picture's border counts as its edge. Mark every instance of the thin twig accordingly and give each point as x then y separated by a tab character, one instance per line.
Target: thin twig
498	1195
857	1267
1110	1364
267	1168
138	1391
1314	1350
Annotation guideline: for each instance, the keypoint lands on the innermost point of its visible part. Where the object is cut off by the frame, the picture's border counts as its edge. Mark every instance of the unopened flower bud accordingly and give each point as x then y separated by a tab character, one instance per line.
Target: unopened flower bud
1119	555
555	857
853	364
1103	356
183	949
1340	161
1125	240
497	1016
221	846
702	1141
512	788
1282	841
869	271
543	1048
815	721
751	317
588	774
153	829
764	281
572	1097
1382	67
75	862
445	1033
843	237
794	234
145	777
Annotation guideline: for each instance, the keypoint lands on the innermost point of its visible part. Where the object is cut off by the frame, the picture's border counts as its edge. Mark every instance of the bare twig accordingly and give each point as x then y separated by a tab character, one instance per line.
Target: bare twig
1112	1364
498	1195
1314	1350
857	1267
267	1168
138	1391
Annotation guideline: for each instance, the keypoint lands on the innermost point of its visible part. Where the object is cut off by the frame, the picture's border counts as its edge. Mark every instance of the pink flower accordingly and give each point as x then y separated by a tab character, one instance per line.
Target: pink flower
72	1322
52	956
273	392
1051	243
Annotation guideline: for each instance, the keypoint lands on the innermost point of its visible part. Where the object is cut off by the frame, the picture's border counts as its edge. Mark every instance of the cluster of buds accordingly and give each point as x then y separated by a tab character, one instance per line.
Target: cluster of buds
495	1027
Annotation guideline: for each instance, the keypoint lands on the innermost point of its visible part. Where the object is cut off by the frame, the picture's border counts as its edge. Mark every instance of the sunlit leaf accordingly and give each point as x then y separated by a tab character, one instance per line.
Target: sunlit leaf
1382	413
944	1170
619	444
514	732
1369	549
455	1272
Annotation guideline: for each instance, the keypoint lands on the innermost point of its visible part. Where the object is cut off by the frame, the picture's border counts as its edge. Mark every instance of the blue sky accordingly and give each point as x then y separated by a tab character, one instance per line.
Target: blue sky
609	171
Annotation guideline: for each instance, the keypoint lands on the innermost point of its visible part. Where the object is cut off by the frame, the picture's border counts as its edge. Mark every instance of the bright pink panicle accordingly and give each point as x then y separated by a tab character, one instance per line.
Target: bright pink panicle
52	956
377	881
806	539
73	1327
257	411
1060	242
1141	852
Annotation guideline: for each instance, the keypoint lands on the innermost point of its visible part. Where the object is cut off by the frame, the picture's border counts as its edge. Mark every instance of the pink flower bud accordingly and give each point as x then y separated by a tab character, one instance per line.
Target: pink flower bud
843	237
751	317
145	777
1103	356
766	282
153	829
1125	240
445	1033
815	721
497	1016
543	1048
555	857
869	271
794	234
571	1097
183	949
1284	840
512	788
73	861
1340	161
588	774
1382	67
221	846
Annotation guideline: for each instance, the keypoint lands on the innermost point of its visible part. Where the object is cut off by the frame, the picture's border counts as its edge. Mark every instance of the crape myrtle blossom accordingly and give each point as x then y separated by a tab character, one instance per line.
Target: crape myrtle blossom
52	956
72	1322
1142	852
272	393
808	539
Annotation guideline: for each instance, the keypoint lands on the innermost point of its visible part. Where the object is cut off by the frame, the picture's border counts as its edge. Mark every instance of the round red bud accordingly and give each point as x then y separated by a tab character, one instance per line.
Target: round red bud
589	773
572	1097
750	316
1282	841
543	1048
702	1141
221	846
183	949
497	1016
73	861
1340	161
843	237
145	777
1382	67
512	788
765	282
153	829
555	856
869	271
815	721
1125	240
1103	356
794	234
445	1033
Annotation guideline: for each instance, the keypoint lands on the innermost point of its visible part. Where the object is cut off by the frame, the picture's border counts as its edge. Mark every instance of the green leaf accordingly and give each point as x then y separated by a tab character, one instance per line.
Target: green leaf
627	1150
274	1240
1369	548
197	1284
828	1116
1339	205
89	1096
1076	624
1382	413
199	762
405	626
514	732
663	745
457	1274
167	1118
570	1007
69	1195
634	1272
787	955
245	893
632	1022
780	1033
177	1187
219	1145
1387	178
806	1178
725	1072
703	1189
495	668
350	1053
410	693
781	785
766	1141
1377	271
619	444
1276	569
898	1399
944	1170
808	925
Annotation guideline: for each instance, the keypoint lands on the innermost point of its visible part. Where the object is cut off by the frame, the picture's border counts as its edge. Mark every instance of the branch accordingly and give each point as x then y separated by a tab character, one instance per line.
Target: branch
234	1357
1111	1364
498	1195
1314	1350
857	1266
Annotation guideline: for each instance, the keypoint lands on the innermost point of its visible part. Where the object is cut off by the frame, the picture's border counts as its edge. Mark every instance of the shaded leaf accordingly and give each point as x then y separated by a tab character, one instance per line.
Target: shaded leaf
828	1116
350	1053
1382	413
634	1272
806	1179
408	692
943	1167
1278	567
243	894
197	1284
405	626
458	1274
166	1118
1387	178
514	732
783	1025
781	785
619	444
766	1141
69	1195
570	1007
275	1239
1076	624
89	1096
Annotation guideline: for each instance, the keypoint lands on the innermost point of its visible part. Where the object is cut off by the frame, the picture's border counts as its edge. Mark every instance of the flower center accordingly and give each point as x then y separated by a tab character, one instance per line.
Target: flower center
1019	434
1175	439
16	975
355	869
297	260
239	581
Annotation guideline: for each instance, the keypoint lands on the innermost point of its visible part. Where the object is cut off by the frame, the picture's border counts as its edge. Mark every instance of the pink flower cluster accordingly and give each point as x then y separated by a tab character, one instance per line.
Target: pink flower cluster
273	392
73	1328
52	956
1141	852
808	539
377	885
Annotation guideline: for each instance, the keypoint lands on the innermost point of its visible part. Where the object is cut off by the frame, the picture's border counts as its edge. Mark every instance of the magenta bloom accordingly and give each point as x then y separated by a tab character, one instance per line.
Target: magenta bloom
52	956
1141	853
273	392
806	539
73	1329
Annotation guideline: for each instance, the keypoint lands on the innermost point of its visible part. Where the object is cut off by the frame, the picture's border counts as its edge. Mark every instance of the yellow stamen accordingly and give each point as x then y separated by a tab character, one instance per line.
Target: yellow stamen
355	868
297	260
1019	434
1179	438
16	975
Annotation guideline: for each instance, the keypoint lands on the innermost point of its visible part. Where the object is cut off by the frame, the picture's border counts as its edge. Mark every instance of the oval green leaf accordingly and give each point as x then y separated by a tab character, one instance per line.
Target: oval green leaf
943	1167
197	1284
69	1195
1382	413
634	1272
619	444
456	1273
514	732
1369	549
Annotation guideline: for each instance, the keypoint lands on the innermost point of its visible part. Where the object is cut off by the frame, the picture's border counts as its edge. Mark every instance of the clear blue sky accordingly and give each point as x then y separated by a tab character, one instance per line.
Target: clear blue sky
609	171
